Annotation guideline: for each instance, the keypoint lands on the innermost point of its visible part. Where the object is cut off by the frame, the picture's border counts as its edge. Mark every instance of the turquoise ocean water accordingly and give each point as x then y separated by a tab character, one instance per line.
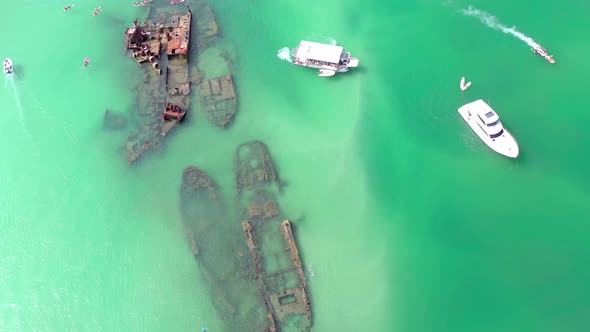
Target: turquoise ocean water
405	220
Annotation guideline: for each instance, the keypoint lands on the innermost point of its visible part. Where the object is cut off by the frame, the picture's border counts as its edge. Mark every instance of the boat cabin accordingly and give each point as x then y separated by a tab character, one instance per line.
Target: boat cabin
310	52
487	120
329	59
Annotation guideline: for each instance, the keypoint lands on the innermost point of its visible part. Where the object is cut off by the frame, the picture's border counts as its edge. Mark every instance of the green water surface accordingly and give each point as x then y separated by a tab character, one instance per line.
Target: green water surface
406	221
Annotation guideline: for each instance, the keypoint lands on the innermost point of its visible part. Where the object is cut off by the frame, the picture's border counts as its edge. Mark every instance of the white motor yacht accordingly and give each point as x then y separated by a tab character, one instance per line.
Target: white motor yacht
8	67
485	122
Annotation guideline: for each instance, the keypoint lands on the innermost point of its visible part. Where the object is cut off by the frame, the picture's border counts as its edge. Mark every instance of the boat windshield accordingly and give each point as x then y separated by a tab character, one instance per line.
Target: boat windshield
497	134
493	123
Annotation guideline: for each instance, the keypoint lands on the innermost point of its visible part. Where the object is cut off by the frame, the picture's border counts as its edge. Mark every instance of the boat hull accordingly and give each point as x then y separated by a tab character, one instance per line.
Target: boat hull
543	53
275	258
464	86
216	246
328	59
505	144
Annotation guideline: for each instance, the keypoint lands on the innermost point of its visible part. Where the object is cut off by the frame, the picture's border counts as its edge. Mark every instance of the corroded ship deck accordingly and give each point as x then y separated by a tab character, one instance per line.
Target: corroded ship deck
279	272
218	99
253	165
161	48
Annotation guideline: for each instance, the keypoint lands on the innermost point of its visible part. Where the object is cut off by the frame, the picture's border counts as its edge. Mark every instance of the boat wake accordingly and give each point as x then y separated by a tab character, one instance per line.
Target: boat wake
284	54
491	21
19	106
16	95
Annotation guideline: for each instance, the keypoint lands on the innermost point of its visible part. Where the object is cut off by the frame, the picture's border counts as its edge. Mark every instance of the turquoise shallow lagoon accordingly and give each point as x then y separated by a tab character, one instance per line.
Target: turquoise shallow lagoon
405	220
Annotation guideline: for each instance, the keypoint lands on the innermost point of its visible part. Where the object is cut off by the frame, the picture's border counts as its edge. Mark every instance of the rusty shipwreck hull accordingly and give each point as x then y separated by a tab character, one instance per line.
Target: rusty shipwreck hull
276	261
161	48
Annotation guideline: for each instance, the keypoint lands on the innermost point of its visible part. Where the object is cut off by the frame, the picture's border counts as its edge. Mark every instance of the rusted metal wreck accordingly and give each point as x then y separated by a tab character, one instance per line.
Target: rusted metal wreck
161	48
269	237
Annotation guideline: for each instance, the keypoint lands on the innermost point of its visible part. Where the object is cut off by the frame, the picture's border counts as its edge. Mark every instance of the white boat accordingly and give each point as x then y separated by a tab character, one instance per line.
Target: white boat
464	86
486	124
8	67
539	50
328	59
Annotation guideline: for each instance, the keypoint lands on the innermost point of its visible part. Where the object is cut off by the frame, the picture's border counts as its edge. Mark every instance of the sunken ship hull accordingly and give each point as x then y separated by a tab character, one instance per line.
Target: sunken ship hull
222	261
270	241
160	46
218	99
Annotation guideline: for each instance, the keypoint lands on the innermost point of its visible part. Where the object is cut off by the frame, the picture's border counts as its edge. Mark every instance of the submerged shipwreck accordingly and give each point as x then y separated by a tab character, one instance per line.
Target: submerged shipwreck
161	48
216	91
270	241
215	241
255	274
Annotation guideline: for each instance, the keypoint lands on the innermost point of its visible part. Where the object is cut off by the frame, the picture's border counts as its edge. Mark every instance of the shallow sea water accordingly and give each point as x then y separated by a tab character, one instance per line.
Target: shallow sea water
405	220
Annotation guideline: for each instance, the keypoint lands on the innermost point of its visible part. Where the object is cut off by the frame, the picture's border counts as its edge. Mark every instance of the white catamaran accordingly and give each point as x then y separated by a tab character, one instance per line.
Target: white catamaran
486	124
328	59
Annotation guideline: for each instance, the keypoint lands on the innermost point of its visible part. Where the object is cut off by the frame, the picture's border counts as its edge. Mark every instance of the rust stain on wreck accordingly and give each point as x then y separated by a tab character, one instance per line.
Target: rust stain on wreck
269	238
161	49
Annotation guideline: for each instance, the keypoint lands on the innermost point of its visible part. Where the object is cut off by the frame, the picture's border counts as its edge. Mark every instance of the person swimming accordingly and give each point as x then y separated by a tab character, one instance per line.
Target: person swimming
86	61
66	8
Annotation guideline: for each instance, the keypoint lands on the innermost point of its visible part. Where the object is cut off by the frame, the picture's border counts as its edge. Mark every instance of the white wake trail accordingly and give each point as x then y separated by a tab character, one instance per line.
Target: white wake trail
491	21
285	54
19	106
16	95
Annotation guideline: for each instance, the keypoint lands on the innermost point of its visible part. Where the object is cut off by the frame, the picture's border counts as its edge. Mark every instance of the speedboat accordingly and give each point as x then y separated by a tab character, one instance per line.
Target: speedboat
485	122
464	86
539	50
8	67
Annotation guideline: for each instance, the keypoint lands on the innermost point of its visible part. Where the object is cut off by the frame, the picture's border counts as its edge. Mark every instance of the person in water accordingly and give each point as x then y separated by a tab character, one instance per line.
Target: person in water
86	61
